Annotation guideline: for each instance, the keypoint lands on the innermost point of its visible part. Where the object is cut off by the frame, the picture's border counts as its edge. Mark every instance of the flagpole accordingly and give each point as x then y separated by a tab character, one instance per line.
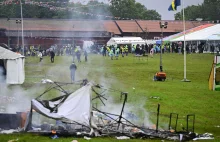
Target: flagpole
184	32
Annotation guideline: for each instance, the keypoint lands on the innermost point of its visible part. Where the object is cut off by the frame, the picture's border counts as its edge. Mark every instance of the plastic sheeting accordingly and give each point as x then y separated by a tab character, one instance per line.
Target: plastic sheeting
76	108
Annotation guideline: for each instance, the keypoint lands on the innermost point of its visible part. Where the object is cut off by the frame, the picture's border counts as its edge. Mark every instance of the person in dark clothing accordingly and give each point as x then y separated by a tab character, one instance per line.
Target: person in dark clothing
86	55
73	68
52	54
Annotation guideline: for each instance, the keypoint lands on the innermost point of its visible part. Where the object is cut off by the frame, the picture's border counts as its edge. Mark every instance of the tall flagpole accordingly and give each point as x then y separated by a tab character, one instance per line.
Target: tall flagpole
22	28
184	32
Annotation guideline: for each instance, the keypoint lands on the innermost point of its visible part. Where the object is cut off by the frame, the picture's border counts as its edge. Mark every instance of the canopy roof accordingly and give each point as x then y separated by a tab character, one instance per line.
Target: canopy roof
202	34
7	54
214	37
192	30
125	40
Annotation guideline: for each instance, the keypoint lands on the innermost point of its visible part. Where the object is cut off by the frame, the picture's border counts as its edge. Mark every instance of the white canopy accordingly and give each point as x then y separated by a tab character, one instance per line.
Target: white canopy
201	34
214	37
75	108
14	66
125	40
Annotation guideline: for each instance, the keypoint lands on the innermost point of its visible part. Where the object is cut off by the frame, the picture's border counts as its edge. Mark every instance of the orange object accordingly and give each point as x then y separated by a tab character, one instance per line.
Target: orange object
160	76
53	132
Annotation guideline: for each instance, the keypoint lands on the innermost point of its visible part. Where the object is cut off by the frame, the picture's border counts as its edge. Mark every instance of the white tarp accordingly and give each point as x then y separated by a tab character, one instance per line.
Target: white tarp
14	64
201	34
76	108
125	40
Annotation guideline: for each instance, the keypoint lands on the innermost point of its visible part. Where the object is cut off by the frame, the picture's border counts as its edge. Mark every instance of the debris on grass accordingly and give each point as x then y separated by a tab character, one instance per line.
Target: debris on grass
87	138
14	140
122	138
206	136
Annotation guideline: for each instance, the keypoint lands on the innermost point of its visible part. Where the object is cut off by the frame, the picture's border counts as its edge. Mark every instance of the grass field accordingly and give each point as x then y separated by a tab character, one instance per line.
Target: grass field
136	77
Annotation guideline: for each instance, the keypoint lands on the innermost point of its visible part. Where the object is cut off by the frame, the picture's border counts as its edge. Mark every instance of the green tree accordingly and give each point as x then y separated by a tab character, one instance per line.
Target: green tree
132	10
208	10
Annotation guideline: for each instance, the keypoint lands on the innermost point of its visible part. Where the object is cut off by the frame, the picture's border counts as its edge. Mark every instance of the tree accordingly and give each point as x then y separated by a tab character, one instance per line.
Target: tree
130	9
126	9
208	10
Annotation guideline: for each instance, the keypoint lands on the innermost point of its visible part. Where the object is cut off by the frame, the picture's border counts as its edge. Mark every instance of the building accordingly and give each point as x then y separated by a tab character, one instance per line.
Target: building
46	32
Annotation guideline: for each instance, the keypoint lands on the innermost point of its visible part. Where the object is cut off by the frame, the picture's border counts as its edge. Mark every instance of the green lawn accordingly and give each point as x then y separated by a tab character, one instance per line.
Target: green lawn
136	77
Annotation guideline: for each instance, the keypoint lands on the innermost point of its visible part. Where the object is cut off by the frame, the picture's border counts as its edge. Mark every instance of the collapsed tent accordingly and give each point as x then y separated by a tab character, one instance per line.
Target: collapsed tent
76	117
12	66
73	108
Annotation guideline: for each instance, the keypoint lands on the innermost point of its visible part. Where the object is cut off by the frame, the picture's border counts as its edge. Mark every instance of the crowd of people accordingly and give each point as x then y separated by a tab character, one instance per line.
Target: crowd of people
116	50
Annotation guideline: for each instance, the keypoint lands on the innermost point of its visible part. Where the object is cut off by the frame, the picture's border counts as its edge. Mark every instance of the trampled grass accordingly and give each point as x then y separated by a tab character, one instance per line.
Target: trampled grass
135	76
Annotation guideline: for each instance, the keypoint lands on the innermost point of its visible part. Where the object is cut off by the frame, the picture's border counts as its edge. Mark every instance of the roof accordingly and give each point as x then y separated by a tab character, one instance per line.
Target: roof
173	26
7	54
129	26
111	26
62	25
202	34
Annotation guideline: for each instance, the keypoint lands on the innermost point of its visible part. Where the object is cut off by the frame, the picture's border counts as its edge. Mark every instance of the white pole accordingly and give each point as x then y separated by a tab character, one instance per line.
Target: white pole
184	32
22	28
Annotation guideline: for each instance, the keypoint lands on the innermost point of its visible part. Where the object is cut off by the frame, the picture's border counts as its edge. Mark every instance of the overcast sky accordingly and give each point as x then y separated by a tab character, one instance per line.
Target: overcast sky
161	6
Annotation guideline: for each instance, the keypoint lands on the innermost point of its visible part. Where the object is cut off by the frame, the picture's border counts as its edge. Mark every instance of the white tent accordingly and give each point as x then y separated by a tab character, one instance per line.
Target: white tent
125	40
13	63
214	37
201	34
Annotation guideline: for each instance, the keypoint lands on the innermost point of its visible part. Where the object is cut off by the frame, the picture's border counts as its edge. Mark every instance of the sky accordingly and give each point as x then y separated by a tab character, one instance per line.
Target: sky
161	6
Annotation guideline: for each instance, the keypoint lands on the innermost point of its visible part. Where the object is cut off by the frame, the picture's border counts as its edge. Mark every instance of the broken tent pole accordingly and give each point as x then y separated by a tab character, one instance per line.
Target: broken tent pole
158	113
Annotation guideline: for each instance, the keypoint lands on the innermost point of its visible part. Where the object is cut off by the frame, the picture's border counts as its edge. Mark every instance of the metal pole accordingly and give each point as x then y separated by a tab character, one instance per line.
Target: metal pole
22	28
161	66
184	32
9	33
158	113
18	35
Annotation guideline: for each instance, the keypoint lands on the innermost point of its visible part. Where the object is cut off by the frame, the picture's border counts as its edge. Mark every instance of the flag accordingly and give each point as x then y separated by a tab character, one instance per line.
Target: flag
174	4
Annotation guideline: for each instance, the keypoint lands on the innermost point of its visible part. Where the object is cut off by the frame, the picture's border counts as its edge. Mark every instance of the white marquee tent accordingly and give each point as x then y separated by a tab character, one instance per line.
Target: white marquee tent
125	40
201	34
214	37
14	66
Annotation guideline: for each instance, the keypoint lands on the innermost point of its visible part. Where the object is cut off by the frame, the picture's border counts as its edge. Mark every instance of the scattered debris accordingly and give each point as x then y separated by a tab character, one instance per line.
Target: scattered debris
122	138
153	97
87	138
74	141
8	131
46	81
13	140
206	136
217	126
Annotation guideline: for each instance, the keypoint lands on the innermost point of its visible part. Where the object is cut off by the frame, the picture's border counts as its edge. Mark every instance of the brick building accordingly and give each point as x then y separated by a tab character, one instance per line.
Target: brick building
47	32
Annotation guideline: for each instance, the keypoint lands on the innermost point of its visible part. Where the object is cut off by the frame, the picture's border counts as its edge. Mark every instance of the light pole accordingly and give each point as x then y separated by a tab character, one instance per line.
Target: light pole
161	75
8	33
18	22
162	26
22	28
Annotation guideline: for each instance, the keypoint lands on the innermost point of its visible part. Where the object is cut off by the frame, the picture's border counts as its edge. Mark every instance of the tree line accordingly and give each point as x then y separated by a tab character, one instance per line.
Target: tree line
209	10
117	9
